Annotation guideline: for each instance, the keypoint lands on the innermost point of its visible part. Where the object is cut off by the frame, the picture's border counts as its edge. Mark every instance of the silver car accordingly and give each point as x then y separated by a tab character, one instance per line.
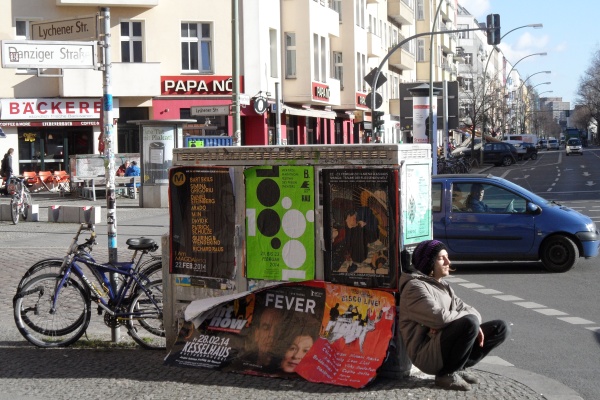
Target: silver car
552	144
574	147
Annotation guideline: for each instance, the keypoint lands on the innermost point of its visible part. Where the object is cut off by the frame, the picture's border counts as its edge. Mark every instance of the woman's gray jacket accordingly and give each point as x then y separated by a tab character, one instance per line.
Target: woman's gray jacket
425	304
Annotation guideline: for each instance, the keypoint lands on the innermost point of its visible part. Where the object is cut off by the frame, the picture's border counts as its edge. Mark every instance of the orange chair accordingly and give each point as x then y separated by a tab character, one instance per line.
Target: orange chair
31	178
62	180
46	178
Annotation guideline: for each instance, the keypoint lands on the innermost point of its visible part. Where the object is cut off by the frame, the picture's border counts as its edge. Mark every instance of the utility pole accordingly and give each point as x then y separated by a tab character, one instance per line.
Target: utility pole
235	98
109	152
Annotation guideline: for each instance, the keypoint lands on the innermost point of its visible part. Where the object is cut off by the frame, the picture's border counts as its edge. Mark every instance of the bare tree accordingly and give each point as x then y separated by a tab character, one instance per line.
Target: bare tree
588	92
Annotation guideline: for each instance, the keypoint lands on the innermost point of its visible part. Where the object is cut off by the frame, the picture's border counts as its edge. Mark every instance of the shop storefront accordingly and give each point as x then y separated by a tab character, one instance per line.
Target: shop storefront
45	131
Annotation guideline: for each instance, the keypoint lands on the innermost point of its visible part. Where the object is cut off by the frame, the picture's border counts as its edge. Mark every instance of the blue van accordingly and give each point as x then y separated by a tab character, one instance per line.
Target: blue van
486	218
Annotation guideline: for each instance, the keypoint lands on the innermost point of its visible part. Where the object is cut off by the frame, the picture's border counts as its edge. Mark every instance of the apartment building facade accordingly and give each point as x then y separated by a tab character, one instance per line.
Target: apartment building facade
170	56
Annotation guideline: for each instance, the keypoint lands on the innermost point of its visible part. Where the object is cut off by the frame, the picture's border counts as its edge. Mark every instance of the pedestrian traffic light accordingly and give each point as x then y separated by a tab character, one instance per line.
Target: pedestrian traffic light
493	29
377	120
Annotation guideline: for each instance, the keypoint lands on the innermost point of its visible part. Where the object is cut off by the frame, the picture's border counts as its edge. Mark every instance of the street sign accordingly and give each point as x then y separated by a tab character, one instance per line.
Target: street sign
209	110
244	99
44	54
77	28
381	79
378	101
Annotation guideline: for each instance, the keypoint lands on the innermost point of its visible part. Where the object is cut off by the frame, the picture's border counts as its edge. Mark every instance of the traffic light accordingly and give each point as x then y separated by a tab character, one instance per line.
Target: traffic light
377	120
493	29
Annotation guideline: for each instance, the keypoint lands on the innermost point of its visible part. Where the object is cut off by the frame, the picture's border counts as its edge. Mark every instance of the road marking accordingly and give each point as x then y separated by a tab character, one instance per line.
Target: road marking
508	297
471	285
550	311
576	320
488	291
594	328
530	304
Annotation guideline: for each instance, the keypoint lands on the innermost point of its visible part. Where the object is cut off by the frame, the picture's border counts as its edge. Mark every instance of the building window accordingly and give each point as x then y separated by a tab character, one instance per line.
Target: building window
273	51
131	41
420	50
463	35
338	68
420	10
290	55
469	58
337	6
23	33
316	57
323	59
196	47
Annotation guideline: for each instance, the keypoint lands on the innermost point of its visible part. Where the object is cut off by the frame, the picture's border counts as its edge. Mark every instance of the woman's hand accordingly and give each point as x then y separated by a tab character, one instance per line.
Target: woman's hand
480	338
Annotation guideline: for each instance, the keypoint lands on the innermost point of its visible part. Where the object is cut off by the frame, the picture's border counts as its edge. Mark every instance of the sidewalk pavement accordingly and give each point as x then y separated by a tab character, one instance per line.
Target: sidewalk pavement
27	372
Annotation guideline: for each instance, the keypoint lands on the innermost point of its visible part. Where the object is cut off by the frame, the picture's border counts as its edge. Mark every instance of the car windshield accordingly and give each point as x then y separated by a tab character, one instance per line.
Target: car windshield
534	197
574	142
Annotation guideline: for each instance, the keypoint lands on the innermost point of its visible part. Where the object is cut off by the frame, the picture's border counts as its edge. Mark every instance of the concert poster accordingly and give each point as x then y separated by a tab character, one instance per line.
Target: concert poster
280	225
311	330
202	216
360	227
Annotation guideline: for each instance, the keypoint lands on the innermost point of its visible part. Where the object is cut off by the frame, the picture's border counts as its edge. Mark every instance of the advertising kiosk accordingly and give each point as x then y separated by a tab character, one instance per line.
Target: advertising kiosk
337	216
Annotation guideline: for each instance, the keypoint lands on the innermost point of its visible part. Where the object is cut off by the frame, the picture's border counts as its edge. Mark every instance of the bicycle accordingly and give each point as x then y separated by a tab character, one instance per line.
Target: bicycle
53	309
20	200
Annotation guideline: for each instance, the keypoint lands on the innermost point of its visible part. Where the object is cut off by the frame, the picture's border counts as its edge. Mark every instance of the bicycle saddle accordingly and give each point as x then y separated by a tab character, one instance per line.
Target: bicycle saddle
142	244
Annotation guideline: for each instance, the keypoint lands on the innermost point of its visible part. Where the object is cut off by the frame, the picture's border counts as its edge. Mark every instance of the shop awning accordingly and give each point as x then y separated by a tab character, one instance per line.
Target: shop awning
309	112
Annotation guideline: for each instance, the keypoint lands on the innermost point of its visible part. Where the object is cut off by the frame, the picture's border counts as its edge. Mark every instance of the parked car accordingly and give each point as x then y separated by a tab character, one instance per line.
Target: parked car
552	144
526	151
517	226
497	153
574	146
541	144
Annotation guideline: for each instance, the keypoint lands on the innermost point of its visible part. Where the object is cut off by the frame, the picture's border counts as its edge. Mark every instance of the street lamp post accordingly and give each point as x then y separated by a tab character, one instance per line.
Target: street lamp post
513	67
483	130
537	106
519	92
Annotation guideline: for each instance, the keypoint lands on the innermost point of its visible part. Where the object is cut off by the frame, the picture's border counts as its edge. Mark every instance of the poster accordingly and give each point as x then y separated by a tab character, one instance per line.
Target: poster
158	142
202	207
416	218
360	214
308	330
280	226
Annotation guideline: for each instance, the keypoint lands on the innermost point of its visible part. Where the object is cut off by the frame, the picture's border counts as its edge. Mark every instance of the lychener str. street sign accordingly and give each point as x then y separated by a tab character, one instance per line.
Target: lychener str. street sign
77	28
45	54
209	110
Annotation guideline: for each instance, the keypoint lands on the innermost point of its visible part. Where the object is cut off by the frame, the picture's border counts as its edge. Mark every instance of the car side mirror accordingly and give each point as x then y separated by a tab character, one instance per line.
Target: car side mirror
533	208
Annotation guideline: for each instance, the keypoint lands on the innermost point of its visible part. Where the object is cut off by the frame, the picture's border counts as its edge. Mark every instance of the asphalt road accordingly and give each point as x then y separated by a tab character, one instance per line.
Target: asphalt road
556	322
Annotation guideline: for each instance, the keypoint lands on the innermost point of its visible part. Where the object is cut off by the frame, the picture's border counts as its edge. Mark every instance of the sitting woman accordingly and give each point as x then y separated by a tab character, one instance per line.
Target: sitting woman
123	168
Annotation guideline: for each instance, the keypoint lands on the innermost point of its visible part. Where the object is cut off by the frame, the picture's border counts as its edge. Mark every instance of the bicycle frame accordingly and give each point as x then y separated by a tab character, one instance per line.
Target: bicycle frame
106	294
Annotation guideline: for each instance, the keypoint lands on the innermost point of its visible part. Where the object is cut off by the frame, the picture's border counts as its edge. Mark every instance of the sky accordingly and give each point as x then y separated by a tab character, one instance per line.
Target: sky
569	36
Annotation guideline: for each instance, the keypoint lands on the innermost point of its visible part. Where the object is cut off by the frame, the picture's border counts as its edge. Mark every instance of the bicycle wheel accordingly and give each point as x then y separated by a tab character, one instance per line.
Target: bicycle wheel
45	266
150	273
26	204
40	326
145	319
14	209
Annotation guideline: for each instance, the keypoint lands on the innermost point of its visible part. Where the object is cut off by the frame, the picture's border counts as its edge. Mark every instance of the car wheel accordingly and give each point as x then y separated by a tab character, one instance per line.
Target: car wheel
507	161
534	156
559	254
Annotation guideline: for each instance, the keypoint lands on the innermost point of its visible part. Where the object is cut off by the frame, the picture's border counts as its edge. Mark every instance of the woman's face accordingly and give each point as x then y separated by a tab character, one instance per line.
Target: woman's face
297	350
441	265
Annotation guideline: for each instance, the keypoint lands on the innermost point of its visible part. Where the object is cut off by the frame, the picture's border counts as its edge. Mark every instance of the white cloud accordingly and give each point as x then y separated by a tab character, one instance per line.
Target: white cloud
477	8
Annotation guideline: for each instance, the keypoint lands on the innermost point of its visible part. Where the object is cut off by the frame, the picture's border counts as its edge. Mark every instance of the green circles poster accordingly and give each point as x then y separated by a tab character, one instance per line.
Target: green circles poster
280	223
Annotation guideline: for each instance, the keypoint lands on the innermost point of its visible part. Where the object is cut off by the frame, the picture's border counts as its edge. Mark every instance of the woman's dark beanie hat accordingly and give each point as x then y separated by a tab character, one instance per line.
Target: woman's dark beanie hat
425	254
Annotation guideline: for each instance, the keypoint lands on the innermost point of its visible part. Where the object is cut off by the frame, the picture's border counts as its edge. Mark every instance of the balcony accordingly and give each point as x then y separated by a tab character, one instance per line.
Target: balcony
447	41
127	80
373	45
402	11
108	3
402	59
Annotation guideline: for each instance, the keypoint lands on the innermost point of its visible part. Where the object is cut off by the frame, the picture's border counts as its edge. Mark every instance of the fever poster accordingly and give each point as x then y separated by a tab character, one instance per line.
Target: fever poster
317	331
280	226
360	214
202	207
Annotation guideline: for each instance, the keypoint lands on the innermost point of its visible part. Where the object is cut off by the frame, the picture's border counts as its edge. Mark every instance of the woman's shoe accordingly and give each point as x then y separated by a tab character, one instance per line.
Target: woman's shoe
468	377
452	382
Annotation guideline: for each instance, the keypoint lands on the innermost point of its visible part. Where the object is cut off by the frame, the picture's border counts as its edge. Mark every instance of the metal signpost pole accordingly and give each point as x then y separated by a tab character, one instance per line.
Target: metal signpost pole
235	100
109	139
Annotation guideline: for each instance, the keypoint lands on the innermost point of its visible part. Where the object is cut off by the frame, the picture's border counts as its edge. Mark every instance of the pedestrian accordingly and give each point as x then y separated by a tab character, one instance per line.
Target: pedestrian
6	170
443	336
132	170
123	168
